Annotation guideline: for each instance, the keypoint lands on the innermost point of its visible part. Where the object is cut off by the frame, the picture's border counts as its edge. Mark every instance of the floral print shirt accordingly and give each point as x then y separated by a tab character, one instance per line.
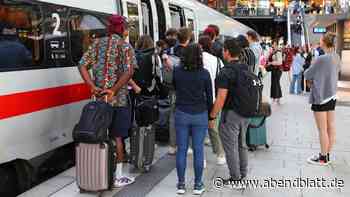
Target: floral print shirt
109	58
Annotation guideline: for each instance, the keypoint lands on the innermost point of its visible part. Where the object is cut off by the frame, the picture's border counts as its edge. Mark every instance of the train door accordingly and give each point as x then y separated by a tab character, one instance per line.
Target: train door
133	11
191	22
163	14
150	18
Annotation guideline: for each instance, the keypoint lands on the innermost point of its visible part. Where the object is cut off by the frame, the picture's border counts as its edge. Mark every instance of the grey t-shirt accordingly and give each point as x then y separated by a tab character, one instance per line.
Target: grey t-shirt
324	75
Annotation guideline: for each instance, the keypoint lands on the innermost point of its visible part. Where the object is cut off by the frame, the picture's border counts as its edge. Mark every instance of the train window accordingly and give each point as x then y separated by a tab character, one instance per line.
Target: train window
84	27
134	23
20	35
190	24
56	36
177	17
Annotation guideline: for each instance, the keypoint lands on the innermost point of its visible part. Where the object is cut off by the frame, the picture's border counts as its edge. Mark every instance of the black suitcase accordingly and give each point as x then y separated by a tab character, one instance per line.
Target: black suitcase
142	145
162	125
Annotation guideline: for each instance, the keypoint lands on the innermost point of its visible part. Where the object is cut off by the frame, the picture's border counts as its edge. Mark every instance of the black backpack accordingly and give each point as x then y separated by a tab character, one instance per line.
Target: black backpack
145	73
246	92
94	123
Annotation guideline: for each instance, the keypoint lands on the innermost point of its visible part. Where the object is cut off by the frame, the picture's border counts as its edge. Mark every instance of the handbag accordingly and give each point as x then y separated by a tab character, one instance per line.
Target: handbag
146	110
264	110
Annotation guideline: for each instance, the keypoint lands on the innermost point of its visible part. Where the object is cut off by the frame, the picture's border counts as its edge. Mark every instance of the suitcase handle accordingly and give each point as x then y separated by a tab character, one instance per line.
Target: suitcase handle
94	97
259	125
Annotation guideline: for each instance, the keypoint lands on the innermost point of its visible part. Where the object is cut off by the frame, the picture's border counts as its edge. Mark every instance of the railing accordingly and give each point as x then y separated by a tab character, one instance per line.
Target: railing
256	12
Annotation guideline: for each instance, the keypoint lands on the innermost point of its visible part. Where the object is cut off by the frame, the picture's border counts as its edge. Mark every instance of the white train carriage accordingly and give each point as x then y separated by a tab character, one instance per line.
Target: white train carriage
41	91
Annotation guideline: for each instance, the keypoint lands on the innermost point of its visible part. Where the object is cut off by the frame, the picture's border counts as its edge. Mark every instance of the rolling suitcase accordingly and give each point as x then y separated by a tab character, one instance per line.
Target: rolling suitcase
162	125
256	134
95	166
142	143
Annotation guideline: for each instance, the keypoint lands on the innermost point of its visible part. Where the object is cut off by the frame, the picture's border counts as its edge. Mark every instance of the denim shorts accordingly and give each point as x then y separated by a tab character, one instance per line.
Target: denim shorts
121	122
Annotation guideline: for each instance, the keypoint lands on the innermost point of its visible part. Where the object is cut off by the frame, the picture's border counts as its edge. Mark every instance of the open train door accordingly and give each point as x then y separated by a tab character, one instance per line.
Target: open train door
150	19
191	22
132	9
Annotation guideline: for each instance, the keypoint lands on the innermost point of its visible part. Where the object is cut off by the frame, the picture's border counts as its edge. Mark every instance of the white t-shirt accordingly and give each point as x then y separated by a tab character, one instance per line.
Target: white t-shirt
210	63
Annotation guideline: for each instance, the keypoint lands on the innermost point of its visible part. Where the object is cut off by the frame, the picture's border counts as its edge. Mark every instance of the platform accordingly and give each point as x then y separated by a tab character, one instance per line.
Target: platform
293	138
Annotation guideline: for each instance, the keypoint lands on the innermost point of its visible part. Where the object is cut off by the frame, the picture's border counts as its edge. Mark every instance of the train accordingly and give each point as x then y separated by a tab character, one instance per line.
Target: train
41	90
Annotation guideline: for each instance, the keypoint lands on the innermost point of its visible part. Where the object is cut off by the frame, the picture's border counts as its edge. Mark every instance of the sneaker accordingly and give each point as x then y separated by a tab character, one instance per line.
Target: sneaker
318	160
207	142
198	189
221	160
124	181
181	188
172	150
190	151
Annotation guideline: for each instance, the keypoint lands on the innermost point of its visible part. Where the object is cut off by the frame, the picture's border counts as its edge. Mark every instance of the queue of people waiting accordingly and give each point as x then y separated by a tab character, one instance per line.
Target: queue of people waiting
203	80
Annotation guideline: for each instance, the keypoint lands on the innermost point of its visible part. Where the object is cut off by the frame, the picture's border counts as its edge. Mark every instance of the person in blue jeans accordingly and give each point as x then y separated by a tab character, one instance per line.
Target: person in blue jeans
194	98
297	71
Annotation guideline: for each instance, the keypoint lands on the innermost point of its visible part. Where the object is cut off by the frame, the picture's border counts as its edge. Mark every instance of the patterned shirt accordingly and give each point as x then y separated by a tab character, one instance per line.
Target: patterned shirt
119	55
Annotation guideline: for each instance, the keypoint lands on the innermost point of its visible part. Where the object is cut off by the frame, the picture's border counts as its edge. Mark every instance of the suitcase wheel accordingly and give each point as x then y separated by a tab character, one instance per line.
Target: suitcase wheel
267	146
252	148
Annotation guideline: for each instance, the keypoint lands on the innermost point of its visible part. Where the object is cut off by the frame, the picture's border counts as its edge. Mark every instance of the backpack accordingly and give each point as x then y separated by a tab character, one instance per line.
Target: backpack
145	74
167	73
246	93
94	122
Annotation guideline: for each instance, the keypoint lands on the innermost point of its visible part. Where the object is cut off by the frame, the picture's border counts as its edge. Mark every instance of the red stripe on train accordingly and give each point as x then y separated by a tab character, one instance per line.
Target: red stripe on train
37	100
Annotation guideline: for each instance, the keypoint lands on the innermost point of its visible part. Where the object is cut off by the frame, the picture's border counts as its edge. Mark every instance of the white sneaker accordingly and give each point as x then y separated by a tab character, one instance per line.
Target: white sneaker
207	142
198	190
190	151
172	150
123	181
221	160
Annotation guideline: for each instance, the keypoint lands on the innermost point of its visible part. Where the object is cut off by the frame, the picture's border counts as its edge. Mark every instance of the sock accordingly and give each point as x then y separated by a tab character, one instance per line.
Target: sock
323	157
118	170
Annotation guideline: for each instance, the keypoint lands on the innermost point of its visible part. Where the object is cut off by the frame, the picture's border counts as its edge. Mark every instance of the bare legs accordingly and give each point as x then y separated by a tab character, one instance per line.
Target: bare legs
331	129
325	122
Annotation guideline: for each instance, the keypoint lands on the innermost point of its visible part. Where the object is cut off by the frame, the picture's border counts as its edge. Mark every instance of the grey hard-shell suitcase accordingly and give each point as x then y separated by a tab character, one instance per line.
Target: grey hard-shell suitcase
142	146
95	166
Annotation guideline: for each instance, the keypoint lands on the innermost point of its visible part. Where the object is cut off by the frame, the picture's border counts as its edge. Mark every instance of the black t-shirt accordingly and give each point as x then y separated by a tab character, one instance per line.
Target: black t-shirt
227	79
179	51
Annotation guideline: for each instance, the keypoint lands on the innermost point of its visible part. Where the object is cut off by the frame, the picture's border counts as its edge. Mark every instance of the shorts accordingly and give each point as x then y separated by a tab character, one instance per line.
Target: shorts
121	122
330	106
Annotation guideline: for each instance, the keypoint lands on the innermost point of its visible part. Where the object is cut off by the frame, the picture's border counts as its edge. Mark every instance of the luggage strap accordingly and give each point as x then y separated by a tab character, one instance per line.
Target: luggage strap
251	126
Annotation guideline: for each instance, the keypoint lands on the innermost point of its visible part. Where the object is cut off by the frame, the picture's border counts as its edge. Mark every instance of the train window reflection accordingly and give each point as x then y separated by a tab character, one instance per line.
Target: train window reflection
20	35
84	27
134	23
